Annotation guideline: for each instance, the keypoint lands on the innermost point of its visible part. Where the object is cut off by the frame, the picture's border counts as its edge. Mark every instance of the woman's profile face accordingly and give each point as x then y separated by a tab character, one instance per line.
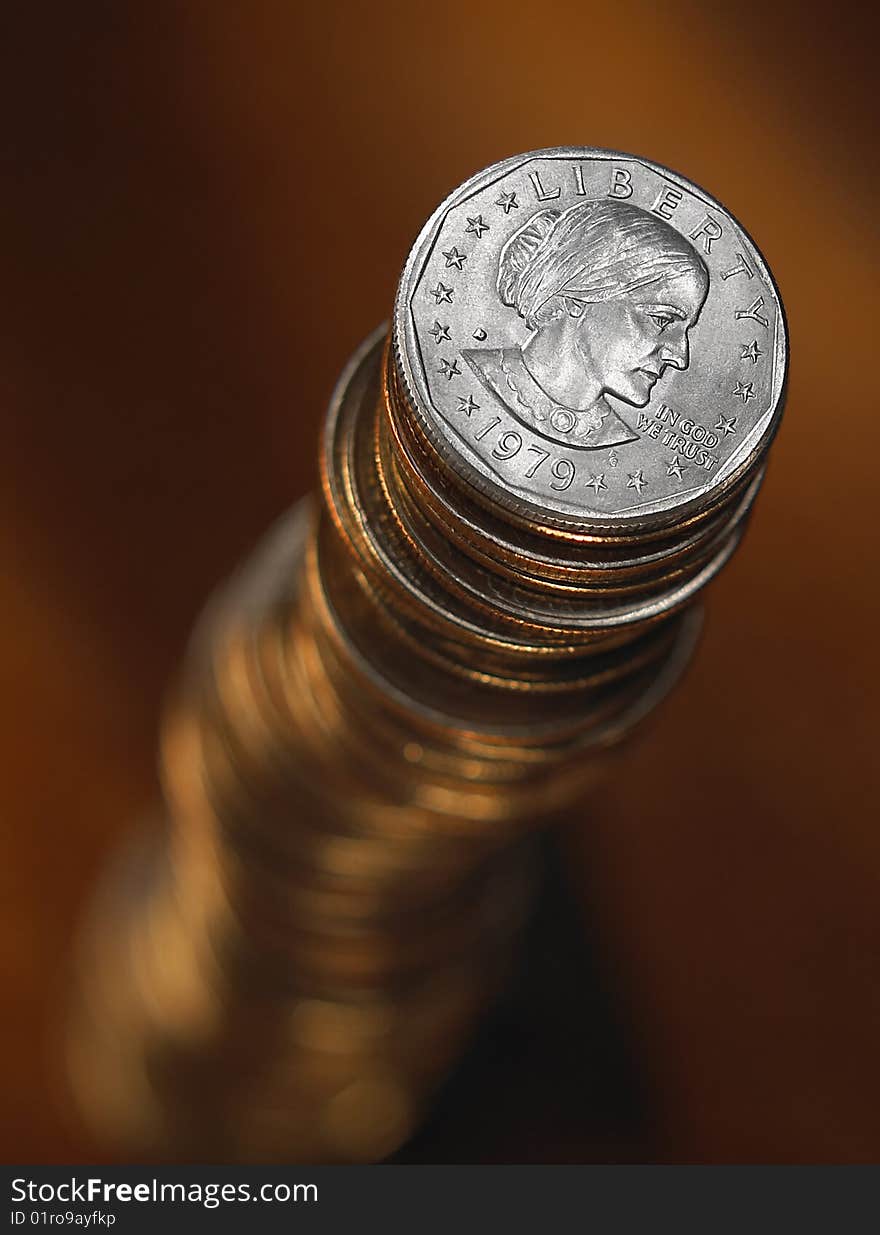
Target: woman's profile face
627	343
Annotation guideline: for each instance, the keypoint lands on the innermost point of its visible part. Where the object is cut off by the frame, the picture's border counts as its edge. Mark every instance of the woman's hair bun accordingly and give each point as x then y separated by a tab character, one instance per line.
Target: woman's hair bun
518	252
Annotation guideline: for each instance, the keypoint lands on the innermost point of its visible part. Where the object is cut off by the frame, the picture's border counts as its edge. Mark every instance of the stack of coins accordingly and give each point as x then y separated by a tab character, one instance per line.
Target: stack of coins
525	484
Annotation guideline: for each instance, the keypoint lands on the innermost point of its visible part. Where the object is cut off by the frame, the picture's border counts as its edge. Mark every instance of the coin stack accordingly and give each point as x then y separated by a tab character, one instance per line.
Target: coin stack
436	658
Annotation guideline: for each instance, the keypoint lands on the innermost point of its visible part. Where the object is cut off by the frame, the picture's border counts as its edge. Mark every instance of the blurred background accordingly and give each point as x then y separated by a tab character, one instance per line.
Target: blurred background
204	208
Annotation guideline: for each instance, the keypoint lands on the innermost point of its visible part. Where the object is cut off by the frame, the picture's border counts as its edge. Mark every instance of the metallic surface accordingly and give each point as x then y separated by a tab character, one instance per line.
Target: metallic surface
406	680
716	354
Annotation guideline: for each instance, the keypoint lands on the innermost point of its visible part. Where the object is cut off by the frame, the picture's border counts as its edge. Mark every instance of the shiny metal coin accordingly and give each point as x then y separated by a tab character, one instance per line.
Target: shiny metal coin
587	337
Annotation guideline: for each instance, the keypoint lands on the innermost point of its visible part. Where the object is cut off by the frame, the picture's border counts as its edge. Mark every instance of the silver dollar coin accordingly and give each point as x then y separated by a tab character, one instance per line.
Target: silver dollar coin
590	334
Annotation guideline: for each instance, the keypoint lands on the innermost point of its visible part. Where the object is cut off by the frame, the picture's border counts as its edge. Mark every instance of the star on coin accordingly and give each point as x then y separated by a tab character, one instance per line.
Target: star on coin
477	226
442	294
744	391
508	202
449	369
635	480
468	405
440	333
454	258
597	482
674	467
751	352
727	426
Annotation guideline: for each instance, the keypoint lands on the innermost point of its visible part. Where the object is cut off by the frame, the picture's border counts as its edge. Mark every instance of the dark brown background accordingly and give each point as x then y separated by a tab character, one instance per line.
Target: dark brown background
204	207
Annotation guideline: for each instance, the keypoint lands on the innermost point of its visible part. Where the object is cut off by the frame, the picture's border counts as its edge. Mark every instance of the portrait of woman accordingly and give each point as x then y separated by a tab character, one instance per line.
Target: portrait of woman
609	292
